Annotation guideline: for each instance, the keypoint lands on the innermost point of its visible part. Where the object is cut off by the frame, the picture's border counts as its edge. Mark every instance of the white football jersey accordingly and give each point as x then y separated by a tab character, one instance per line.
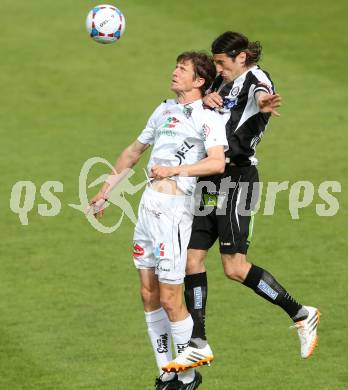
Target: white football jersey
182	134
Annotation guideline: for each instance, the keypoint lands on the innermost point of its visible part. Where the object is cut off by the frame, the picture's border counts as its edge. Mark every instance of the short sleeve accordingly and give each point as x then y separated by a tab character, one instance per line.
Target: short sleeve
262	86
147	136
213	129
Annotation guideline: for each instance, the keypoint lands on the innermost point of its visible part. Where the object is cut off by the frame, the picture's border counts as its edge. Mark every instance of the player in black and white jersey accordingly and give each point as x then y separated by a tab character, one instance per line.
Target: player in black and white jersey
244	94
187	141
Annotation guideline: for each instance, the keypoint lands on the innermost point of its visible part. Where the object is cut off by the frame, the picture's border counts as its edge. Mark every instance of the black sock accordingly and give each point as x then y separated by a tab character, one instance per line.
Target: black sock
264	284
196	292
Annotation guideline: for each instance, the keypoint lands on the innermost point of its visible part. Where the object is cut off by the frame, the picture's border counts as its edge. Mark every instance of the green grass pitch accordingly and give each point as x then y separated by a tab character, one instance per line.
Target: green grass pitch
70	312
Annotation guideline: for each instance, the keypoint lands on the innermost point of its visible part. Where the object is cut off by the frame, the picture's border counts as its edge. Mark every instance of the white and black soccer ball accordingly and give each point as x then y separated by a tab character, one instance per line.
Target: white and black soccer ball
105	23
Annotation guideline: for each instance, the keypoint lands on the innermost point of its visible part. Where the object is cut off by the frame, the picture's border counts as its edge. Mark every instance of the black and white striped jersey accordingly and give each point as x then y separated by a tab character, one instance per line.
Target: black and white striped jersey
245	124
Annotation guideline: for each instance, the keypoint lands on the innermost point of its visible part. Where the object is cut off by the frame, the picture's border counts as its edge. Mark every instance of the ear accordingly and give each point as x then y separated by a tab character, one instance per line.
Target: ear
241	57
198	82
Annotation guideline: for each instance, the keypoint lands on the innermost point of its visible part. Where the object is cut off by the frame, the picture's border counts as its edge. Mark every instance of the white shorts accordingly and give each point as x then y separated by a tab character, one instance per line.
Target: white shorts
162	234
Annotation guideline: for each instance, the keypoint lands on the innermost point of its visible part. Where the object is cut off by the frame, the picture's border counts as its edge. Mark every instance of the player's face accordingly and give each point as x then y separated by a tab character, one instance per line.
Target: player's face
229	68
183	77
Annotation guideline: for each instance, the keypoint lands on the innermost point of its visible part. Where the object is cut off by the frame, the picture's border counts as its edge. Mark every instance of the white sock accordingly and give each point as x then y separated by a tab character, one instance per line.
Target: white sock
181	333
158	328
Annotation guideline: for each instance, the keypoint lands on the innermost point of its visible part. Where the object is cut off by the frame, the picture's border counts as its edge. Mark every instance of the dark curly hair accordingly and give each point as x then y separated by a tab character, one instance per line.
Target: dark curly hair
232	43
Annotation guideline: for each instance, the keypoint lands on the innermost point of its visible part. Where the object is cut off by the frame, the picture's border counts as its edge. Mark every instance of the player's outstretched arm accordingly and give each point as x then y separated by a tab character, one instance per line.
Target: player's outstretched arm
127	159
268	102
214	163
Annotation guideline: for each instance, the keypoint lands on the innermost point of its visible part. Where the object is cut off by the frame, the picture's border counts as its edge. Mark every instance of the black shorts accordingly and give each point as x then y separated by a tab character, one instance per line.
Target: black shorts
227	208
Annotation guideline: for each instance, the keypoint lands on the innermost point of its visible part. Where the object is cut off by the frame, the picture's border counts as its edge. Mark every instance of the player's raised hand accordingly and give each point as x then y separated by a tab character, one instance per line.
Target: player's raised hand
268	103
212	100
97	204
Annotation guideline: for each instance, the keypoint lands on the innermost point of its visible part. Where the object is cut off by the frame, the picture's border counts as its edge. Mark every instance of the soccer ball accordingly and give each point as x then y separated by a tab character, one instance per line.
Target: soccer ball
105	23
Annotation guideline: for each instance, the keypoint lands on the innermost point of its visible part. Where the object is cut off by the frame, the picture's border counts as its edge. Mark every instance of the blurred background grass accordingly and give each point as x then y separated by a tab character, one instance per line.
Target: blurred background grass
70	311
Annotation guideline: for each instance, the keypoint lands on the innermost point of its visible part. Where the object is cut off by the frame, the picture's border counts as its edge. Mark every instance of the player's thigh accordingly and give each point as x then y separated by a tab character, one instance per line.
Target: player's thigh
166	221
143	245
173	238
235	223
204	231
143	253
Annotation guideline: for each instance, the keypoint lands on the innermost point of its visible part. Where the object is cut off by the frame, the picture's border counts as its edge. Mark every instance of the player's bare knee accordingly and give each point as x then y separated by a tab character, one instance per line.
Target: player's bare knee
191	268
168	304
195	261
149	295
234	274
236	266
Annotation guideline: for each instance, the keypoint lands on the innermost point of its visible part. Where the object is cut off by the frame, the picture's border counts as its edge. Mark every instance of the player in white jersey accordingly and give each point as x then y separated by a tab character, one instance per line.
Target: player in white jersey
188	141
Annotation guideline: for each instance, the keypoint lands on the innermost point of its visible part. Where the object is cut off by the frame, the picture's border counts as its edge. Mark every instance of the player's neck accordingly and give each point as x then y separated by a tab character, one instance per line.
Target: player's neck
242	71
188	97
235	76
